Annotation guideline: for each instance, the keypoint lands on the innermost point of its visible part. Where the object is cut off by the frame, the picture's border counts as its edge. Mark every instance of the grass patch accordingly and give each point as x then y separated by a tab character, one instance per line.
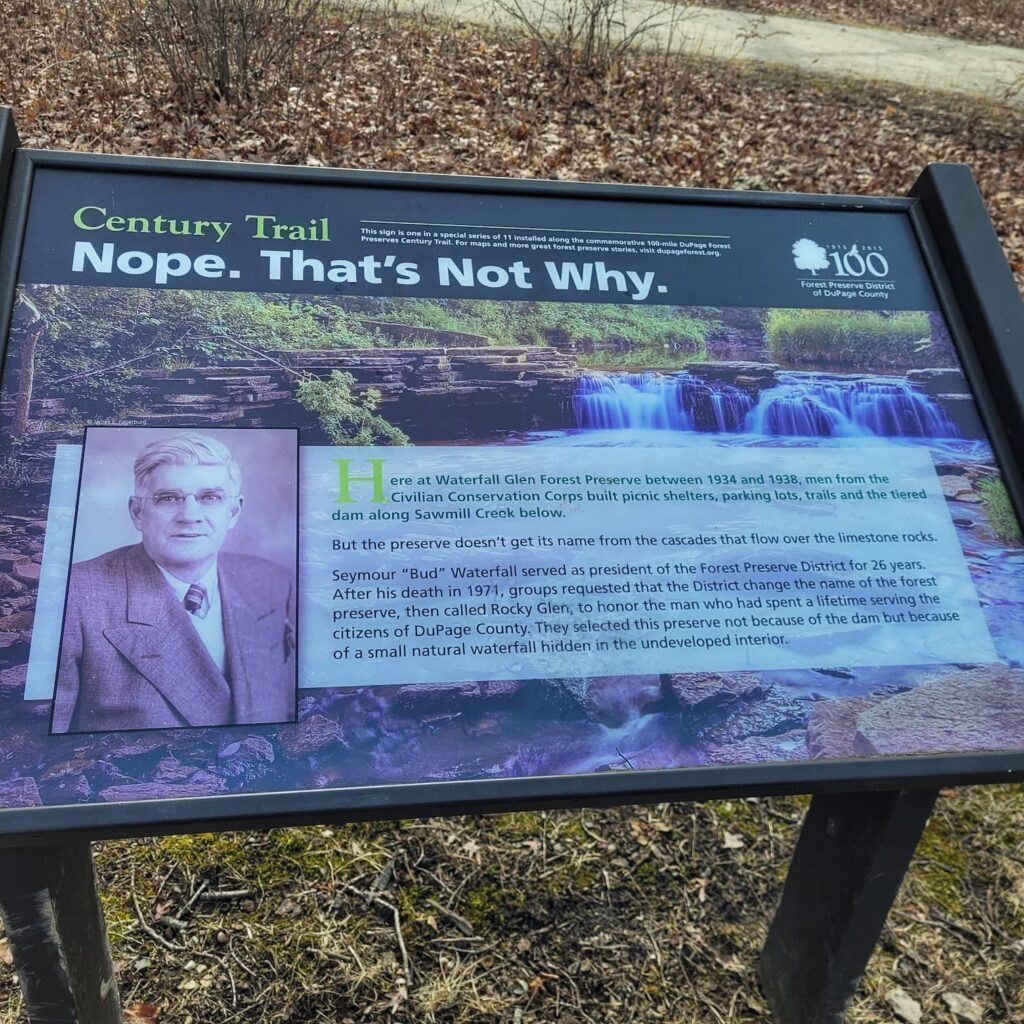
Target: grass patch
277	856
609	890
999	510
622	335
942	866
492	905
849	338
638	358
14	473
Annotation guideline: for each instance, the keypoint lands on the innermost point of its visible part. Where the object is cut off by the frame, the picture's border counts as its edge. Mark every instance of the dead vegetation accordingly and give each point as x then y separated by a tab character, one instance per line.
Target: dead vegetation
442	98
631	915
649	914
593	39
234	50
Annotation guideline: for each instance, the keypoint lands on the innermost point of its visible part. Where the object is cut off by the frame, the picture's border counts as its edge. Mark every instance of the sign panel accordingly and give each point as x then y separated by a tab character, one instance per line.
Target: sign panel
335	486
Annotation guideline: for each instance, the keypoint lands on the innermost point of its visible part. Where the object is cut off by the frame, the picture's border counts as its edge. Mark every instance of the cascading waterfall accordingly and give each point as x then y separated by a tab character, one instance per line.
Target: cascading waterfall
812	405
800	405
629	401
656	401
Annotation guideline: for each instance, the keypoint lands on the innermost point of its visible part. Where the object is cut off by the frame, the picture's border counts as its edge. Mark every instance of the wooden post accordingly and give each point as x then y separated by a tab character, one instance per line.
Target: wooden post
58	938
849	861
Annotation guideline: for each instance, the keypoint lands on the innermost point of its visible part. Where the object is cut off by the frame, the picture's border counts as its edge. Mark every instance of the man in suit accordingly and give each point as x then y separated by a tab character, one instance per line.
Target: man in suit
172	631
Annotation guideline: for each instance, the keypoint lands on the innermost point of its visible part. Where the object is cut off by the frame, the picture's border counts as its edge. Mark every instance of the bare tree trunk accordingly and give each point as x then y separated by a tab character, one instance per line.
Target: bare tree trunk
26	377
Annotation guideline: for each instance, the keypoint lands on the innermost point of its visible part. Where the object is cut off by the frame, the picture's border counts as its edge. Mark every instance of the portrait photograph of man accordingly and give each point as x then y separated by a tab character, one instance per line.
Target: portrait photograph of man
180	608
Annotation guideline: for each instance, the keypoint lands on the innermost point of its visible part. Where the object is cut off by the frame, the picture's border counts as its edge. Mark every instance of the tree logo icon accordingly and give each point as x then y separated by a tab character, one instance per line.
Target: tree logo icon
808	255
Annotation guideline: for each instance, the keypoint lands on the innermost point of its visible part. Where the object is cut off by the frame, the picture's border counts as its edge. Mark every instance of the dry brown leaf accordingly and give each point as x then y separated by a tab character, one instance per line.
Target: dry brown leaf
143	1012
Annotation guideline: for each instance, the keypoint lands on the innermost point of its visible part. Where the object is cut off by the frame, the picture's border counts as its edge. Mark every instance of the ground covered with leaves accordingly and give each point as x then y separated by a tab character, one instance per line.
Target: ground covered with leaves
651	914
420	96
981	21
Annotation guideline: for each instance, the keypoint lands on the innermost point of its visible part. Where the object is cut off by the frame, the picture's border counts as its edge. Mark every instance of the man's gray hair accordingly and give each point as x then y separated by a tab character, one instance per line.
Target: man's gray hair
186	449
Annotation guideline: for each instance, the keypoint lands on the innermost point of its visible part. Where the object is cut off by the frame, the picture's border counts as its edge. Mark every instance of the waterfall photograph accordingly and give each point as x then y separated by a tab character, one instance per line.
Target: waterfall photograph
689	381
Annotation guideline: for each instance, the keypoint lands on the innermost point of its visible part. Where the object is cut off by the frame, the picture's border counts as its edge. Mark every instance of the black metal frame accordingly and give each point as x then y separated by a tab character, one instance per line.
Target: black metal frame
985	315
849	861
58	937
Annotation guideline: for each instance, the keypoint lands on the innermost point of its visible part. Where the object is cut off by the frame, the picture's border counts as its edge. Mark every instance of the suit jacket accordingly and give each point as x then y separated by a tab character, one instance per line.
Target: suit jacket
131	659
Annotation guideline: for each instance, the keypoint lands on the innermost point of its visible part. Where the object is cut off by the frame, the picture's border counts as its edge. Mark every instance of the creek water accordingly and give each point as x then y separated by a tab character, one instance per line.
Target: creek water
624	728
678	409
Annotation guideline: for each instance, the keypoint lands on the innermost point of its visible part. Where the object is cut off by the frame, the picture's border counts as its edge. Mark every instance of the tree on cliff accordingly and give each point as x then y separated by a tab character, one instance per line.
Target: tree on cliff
62	337
84	345
31	334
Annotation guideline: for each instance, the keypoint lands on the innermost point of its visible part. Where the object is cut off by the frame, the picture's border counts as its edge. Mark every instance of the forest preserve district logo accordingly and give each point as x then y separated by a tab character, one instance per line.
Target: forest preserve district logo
852	261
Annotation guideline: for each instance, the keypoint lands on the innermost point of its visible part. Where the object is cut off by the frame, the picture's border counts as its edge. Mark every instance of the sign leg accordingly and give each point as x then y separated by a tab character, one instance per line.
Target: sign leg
849	861
58	938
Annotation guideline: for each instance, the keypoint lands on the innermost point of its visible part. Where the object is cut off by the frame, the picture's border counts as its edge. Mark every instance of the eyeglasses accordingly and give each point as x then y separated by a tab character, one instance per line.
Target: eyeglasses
172	501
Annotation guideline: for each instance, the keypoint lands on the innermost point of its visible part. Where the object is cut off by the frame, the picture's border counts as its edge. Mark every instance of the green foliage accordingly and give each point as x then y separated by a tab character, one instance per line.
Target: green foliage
999	510
15	474
96	341
659	332
470	316
602	333
282	322
865	340
347	419
643	358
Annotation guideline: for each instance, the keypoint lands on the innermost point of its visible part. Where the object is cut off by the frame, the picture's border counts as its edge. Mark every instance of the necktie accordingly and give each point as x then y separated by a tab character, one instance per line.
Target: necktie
194	599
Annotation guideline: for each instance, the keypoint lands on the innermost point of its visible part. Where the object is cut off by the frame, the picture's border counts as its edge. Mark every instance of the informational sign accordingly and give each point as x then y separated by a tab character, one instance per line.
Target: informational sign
331	485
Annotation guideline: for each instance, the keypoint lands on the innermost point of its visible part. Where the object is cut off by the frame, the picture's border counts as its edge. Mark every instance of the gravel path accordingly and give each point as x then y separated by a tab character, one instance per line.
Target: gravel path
928	61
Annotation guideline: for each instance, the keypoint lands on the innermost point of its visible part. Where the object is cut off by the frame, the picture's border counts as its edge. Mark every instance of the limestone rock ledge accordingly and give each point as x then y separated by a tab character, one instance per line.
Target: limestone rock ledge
441	393
978	709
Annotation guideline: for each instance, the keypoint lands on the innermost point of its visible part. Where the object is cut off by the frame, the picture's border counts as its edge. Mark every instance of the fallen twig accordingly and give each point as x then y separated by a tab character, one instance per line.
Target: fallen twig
150	931
201	888
397	920
457	919
227	894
